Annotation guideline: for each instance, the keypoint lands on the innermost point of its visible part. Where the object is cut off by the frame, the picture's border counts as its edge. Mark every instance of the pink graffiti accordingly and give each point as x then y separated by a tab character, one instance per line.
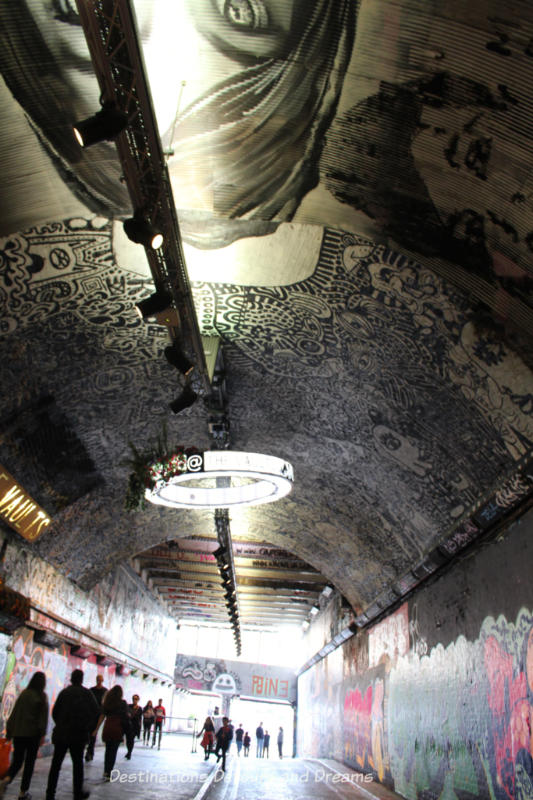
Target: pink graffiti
511	711
357	725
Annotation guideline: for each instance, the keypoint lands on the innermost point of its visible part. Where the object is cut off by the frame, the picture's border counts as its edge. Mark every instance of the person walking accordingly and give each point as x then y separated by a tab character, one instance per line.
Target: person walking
239	733
259	735
116	724
148	721
266	744
75	713
26	725
246	744
280	742
135	714
208	740
224	737
160	717
99	691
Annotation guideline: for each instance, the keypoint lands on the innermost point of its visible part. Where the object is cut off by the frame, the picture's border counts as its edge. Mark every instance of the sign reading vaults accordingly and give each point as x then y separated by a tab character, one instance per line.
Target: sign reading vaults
19	510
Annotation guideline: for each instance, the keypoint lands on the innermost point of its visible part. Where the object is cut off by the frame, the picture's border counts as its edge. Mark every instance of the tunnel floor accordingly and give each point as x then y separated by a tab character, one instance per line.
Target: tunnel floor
176	773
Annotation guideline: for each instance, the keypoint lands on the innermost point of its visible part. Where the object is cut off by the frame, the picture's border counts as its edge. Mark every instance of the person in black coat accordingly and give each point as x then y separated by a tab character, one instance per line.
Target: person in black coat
99	691
224	737
26	725
136	714
75	714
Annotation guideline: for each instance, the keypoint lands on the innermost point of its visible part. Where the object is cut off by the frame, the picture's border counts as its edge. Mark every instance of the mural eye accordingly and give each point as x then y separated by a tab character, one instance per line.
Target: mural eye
65	11
249	15
391	442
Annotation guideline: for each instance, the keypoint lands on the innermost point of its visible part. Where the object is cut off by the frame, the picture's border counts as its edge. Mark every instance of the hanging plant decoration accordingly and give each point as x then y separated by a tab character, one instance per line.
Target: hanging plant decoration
159	464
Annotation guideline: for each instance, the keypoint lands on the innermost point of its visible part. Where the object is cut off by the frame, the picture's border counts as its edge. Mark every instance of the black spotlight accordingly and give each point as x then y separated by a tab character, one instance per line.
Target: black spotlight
221	557
157	302
104	125
140	231
178	359
186	399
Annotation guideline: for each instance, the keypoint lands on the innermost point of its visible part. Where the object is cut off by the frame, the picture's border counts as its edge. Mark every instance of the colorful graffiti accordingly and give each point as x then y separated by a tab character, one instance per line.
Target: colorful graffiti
364	728
449	721
510	700
460	719
234	678
27	657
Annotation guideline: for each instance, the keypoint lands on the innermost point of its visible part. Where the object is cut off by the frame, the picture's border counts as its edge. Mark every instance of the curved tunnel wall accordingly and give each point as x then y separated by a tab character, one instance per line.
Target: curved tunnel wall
438	697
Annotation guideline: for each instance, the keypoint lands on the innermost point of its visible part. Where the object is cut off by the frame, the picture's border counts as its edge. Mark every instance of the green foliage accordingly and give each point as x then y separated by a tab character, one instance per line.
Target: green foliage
157	464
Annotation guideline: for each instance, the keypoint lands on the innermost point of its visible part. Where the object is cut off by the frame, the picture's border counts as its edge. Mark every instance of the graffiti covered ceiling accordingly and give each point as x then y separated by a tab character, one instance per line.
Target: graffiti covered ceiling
386	354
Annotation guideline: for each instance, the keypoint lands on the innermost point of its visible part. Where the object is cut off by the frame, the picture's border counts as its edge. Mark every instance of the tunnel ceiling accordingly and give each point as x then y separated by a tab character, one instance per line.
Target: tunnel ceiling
359	236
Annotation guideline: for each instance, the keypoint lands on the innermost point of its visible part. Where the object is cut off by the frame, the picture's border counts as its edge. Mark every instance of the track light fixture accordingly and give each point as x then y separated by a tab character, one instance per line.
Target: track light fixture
186	399
106	124
139	230
222	558
157	302
175	356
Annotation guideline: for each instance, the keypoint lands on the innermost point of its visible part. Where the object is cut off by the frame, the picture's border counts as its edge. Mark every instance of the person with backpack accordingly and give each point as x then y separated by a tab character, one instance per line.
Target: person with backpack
26	725
75	713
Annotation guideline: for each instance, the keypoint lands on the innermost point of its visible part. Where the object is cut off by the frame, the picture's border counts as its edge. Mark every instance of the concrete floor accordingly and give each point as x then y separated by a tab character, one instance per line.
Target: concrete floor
176	773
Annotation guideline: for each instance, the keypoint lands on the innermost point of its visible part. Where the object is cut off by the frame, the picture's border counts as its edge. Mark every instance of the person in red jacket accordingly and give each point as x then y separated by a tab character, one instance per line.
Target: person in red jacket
160	717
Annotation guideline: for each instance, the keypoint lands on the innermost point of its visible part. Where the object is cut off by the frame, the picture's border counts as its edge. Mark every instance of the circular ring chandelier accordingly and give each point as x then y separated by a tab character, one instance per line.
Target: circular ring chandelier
224	479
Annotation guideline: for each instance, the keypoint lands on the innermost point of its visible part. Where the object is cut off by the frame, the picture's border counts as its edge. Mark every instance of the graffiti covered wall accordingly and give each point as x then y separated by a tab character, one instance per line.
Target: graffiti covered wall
436	701
118	619
232	678
118	612
27	656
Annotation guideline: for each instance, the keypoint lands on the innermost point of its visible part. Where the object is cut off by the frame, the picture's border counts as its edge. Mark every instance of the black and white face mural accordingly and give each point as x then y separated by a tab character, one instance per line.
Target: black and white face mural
275	111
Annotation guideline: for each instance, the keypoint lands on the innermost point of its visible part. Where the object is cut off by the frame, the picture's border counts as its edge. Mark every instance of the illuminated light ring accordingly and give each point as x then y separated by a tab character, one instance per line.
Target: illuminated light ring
271	479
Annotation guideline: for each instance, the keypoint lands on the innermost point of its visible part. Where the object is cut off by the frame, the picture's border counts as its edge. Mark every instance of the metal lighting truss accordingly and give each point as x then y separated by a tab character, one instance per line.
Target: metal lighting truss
113	41
224	538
